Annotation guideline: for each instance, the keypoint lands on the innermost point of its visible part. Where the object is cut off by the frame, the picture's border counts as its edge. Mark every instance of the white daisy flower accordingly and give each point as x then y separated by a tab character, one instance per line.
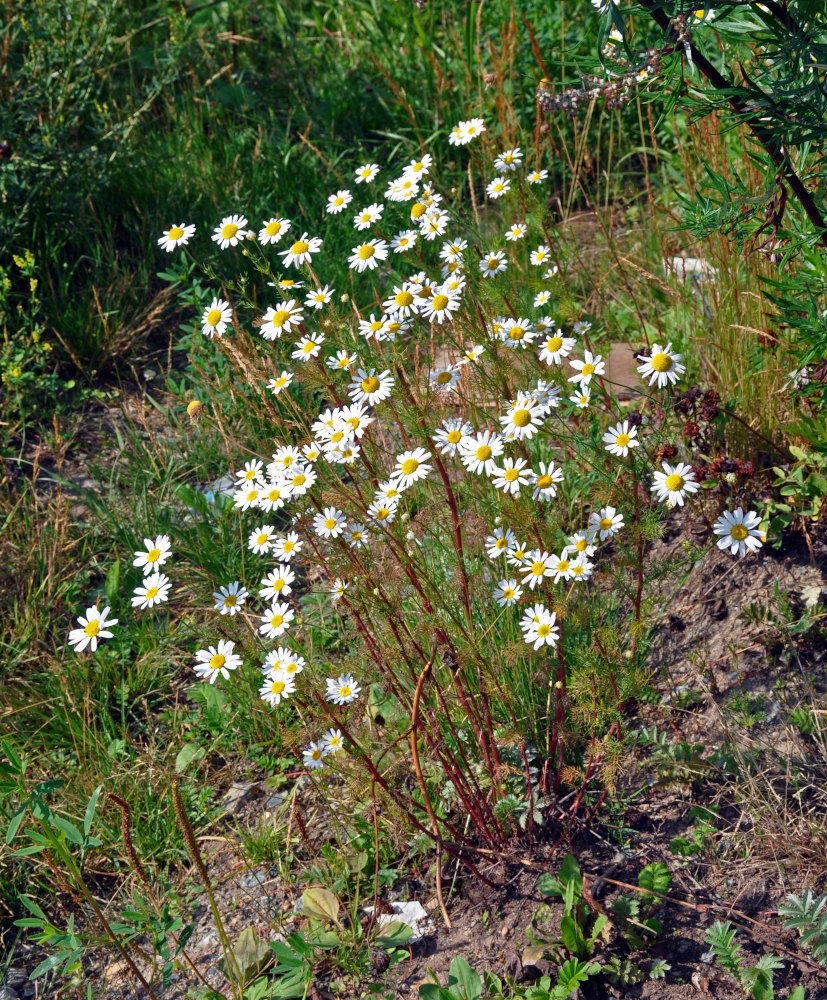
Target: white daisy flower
176	236
507	592
404	240
443	380
411	466
154	589
338	588
508	160
493	264
272	230
516	232
342	690
308	347
674	482
546	481
366	173
450	433
94	625
330	523
497	188
604	523
365	217
230	598
301	251
369	387
536	568
332	741
341	359
261	539
591	365
561	568
215	318
319	298
217	661
232	229
497	544
282	381
313	756
620	438
280	319
277	583
276	687
537	176
664	366
542	298
555	348
276	620
368	255
511	476
338	201
739	532
154	554
479	452
287	546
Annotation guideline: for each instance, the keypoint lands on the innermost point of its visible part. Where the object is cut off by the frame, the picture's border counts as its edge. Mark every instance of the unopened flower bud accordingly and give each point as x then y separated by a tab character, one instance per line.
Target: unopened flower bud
195	409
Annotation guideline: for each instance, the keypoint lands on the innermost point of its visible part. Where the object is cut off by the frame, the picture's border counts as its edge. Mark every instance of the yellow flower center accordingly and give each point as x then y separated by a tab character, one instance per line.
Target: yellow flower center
544	630
151	592
403	298
382	513
262	538
175	233
511	475
483	452
501	543
444	378
344	692
366	251
92	628
554	343
563	566
370	384
316	755
291	668
288	546
300	479
661	362
543	482
299	247
516	333
587	370
738	532
309	346
605	524
521	418
439	303
153	555
281	317
674	482
493	264
252	496
273	228
229	230
213	317
274	494
356	536
508	593
249	474
376	326
622	440
394	326
230	601
418	210
281	382
538	568
337	436
454	436
277	687
581	544
409	466
217	661
279	584
508	159
276	620
576	569
330	523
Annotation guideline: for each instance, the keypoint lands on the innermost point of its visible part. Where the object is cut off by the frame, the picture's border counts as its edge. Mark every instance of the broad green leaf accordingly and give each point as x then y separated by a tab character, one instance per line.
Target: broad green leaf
463	982
394	933
188	753
320	903
90	810
111	586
